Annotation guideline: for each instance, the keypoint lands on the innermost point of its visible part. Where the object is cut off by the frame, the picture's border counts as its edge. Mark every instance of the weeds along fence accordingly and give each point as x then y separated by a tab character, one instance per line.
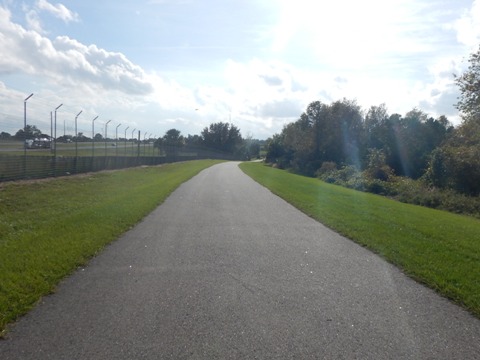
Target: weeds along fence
24	167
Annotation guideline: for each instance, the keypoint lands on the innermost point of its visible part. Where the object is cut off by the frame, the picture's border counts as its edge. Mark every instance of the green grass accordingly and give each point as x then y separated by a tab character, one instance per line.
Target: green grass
437	248
49	228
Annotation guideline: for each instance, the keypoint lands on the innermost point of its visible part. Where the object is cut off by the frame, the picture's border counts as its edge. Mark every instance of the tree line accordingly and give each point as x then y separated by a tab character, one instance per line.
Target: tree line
223	139
219	139
341	135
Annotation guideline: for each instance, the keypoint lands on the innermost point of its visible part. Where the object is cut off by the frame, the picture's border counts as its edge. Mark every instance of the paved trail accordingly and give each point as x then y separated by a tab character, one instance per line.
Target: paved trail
226	270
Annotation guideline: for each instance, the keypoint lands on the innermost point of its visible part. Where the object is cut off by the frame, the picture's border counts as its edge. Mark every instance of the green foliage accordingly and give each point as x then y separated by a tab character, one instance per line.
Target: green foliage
65	139
171	143
437	248
326	168
250	149
49	228
340	133
5	136
376	168
365	152
30	132
469	86
403	189
420	193
456	164
222	137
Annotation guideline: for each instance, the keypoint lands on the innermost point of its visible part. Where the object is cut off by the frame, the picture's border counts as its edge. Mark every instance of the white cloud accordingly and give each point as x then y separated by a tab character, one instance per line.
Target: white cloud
66	61
345	33
33	21
468	26
58	10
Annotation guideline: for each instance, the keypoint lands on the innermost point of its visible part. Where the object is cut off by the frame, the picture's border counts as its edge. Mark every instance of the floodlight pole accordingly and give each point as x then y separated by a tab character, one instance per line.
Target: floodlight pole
106	125
116	140
55	134
126	140
93	136
51	130
149	138
144	142
76	135
133	142
25	134
153	144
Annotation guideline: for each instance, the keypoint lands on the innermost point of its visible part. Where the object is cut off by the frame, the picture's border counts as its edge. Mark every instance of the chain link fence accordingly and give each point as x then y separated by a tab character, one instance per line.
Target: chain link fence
37	164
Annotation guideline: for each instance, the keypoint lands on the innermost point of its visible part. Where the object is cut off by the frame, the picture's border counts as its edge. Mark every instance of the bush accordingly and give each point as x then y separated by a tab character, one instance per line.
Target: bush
403	189
383	182
326	168
377	186
377	167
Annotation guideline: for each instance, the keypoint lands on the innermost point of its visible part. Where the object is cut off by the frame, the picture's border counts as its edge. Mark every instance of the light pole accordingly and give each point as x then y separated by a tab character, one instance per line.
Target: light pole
76	135
106	125
133	142
25	121
25	134
55	134
116	139
149	138
126	140
93	136
51	130
144	142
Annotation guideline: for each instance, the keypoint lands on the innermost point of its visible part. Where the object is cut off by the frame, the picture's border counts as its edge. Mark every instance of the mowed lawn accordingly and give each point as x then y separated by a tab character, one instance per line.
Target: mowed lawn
437	248
50	227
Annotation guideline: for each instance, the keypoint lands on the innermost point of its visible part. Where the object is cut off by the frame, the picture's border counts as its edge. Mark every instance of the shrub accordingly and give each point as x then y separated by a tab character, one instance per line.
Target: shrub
377	186
326	168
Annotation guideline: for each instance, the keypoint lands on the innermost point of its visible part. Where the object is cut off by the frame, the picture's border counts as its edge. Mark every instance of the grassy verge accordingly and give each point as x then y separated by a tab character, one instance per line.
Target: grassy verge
437	248
48	228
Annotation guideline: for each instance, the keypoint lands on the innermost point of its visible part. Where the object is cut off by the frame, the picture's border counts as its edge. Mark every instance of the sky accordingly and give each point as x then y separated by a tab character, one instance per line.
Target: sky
154	65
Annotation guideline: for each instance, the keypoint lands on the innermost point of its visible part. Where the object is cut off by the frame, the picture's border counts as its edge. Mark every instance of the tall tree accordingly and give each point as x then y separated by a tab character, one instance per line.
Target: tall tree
456	163
222	137
469	86
4	135
172	142
347	119
30	132
323	133
298	142
275	150
375	121
409	141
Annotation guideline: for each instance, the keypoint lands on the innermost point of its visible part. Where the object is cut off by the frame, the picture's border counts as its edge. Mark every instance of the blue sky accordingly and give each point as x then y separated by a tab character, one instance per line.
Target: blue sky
153	65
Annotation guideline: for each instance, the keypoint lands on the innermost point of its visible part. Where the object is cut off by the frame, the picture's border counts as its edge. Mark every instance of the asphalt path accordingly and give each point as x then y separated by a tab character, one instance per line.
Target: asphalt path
224	269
